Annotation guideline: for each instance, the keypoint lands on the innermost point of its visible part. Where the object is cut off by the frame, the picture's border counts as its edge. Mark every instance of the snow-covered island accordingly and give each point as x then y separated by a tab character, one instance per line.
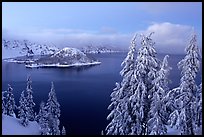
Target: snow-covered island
67	57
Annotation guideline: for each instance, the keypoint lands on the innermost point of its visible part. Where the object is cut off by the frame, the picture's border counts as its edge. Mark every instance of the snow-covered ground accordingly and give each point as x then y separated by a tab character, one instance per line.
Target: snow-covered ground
68	51
172	131
60	65
12	126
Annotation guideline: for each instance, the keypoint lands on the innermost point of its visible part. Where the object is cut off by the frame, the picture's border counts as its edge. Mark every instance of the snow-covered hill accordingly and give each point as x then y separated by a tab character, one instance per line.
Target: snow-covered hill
68	52
16	48
66	57
12	126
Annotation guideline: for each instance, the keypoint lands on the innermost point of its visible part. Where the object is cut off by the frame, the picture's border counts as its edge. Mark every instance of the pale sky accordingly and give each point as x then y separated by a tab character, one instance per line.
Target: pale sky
78	24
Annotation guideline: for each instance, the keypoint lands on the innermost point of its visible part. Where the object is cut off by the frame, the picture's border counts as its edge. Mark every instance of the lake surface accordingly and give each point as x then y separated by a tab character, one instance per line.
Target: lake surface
83	93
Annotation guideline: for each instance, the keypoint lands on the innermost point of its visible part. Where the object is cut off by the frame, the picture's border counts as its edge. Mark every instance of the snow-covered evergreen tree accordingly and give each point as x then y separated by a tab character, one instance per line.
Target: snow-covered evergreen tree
35	117
3	103
23	110
119	124
43	119
102	133
114	125
30	101
162	75
161	86
10	102
53	110
199	106
63	131
186	97
157	124
198	111
132	99
137	109
147	66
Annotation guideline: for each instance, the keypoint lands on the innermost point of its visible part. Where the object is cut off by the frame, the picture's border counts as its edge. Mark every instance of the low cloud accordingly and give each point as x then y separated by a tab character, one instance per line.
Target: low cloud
76	38
169	38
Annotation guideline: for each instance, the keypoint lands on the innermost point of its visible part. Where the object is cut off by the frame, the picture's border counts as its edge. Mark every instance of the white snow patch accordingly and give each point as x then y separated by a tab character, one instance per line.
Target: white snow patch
18	61
67	51
172	131
12	126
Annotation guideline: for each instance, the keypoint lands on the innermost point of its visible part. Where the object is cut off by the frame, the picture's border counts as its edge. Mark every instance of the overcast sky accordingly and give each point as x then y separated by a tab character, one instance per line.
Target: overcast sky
77	24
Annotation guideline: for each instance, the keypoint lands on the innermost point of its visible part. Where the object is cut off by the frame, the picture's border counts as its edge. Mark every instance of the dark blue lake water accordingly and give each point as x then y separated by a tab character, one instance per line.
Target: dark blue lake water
84	94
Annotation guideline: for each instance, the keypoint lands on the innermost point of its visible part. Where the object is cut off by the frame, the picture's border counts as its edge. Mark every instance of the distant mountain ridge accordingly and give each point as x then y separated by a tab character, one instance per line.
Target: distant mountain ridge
98	49
16	48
